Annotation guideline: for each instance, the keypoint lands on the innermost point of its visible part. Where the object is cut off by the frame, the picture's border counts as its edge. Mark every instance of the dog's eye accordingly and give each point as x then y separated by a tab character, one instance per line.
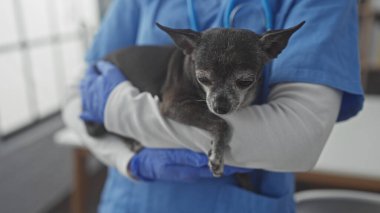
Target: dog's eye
204	81
242	84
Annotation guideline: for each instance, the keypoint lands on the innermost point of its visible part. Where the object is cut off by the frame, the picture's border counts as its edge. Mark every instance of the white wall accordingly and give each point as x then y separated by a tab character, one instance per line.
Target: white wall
354	146
33	80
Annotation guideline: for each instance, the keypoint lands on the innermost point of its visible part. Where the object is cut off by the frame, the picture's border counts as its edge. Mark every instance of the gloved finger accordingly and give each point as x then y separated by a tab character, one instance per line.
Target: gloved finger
88	79
92	71
230	170
186	157
184	173
104	67
87	117
84	99
95	106
86	82
107	68
205	172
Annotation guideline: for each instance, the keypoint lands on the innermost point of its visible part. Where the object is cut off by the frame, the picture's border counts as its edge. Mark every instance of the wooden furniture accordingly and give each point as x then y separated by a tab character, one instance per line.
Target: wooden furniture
331	180
370	45
80	180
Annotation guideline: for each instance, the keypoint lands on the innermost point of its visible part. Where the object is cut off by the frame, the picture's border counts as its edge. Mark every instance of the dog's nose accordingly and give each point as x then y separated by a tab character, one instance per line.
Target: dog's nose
222	105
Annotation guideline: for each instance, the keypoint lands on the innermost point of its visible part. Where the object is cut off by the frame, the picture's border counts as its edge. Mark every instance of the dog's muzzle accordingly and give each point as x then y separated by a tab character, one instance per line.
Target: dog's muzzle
221	105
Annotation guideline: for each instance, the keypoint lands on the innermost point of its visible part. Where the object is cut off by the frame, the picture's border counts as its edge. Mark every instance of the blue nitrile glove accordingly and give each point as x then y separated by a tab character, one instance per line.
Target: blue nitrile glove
98	82
180	165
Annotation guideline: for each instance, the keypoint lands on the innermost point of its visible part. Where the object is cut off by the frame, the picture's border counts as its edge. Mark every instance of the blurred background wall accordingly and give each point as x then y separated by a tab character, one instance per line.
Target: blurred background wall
42	50
42	46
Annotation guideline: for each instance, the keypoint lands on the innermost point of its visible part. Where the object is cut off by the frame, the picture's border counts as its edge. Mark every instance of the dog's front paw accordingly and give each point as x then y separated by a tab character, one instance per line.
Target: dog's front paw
215	163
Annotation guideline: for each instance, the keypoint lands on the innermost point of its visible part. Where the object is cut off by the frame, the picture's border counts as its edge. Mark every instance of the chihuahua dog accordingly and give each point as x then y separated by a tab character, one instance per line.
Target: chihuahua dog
208	74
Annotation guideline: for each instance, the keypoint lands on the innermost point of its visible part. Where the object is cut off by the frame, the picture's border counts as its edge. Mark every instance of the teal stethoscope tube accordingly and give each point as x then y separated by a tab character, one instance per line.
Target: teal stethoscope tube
229	16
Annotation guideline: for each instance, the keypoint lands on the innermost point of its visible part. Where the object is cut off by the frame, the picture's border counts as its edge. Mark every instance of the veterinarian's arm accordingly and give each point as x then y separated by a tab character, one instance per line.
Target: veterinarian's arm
109	149
287	134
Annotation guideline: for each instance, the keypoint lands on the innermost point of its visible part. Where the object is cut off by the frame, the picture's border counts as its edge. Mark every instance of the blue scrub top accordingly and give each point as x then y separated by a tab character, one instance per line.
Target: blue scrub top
324	51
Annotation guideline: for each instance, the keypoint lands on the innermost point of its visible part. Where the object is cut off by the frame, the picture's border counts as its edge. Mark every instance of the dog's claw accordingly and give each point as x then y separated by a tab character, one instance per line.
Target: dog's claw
209	153
216	169
215	164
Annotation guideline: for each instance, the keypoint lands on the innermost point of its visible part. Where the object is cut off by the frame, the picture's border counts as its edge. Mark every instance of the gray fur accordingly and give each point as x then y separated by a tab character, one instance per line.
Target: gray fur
224	68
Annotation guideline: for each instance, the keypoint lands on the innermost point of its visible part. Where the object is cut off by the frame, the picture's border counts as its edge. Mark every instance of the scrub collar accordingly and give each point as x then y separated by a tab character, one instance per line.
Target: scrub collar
229	14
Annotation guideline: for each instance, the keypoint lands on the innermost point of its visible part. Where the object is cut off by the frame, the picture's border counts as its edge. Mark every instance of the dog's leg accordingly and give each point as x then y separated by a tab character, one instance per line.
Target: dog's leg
95	129
197	114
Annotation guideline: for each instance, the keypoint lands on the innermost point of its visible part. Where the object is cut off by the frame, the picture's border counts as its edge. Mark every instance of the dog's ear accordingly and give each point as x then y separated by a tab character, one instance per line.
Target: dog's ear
273	42
185	39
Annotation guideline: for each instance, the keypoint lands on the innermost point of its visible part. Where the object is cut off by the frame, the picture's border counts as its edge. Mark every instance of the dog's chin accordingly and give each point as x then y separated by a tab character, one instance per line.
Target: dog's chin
222	114
210	108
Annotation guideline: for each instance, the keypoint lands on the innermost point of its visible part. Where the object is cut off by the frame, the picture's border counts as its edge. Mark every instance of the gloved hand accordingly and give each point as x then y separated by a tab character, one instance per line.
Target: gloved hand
98	82
180	165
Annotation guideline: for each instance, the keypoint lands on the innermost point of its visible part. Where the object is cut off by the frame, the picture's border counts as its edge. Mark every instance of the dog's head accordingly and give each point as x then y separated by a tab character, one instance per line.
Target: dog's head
228	62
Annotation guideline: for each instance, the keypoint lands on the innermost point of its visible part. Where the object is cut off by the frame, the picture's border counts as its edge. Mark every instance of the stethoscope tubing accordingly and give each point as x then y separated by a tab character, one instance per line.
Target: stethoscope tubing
229	14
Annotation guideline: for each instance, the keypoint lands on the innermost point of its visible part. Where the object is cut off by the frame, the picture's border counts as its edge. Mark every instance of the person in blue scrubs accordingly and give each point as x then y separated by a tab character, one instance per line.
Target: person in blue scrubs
326	53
